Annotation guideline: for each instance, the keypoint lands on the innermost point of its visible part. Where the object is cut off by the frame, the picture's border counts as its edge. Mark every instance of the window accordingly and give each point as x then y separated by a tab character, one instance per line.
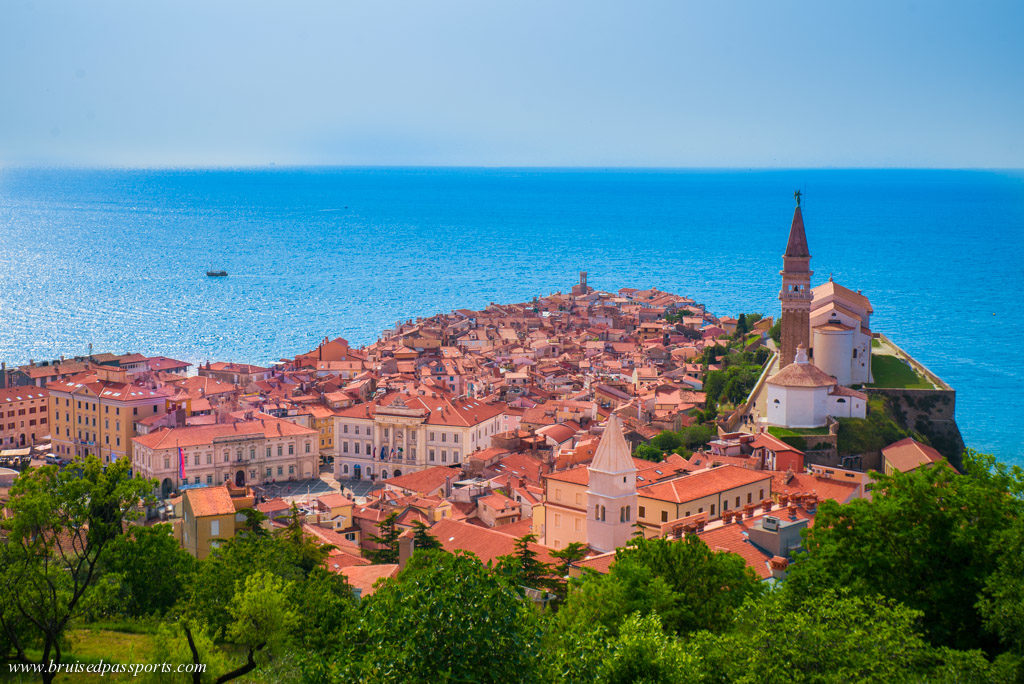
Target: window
307	447
357	447
664	516
252	453
725	505
209	458
270	472
291	449
280	450
291	470
641	511
209	479
737	502
268	452
431	454
344	428
214	527
712	509
444	437
760	494
167	462
455	438
750	497
344	469
195	459
344	447
431	436
280	470
444	456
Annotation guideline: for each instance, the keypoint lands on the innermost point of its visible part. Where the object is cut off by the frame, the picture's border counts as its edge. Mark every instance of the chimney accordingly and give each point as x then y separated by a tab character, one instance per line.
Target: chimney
405	550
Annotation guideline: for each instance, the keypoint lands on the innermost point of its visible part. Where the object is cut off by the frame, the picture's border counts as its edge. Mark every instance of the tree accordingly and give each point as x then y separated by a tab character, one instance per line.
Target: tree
152	569
444	617
262	620
687	584
422	540
640	652
834	636
741	326
387	540
523	568
775	332
62	522
931	534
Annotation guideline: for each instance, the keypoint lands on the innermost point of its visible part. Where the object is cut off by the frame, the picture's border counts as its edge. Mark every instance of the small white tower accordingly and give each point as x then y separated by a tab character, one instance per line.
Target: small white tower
611	491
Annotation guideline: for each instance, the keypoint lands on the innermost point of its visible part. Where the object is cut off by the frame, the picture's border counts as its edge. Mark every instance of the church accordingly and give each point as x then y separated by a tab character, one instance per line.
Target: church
826	344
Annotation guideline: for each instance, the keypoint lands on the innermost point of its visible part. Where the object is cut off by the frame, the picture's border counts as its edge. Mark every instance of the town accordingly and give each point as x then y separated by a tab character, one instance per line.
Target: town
563	429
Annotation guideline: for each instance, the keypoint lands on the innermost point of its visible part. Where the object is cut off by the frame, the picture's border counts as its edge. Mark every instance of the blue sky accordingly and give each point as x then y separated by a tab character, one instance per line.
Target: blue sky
516	83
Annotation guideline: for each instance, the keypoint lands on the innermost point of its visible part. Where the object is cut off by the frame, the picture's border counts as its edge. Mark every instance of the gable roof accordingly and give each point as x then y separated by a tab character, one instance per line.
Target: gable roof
207	501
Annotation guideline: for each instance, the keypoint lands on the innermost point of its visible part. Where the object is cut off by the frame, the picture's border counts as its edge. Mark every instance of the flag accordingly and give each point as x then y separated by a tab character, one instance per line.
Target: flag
181	464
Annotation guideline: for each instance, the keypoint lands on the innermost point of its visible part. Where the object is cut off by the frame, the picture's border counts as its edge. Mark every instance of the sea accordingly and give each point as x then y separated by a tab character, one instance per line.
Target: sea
117	259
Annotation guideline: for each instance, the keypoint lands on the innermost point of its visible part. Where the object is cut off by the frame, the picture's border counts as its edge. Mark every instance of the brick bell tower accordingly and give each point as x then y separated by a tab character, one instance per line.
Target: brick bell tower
796	290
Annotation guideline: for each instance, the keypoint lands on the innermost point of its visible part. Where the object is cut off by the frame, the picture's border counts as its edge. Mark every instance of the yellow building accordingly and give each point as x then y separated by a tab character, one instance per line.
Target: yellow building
94	413
664	494
210	516
322	420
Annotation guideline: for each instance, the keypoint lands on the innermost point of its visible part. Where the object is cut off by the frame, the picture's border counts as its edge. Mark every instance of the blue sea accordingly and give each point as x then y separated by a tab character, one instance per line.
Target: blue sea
117	258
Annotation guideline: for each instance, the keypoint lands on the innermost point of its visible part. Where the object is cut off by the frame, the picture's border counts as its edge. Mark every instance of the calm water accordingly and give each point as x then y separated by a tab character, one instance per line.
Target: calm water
117	258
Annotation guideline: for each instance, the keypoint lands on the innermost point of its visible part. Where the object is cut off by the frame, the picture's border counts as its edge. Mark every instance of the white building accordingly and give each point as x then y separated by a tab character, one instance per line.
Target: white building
841	333
801	395
405	433
259	450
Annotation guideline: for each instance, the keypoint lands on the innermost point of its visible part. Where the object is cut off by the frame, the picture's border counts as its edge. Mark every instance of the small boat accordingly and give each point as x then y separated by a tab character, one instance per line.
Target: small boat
217	274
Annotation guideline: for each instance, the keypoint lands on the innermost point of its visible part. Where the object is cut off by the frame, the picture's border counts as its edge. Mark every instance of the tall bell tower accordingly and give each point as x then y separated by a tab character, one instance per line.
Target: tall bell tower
796	290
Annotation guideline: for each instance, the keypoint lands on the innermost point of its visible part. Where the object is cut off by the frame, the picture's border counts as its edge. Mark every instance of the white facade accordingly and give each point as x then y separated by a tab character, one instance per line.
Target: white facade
398	440
841	334
797	407
802	395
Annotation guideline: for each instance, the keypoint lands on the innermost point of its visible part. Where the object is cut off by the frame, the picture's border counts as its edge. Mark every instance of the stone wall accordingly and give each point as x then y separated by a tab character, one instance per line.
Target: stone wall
930	412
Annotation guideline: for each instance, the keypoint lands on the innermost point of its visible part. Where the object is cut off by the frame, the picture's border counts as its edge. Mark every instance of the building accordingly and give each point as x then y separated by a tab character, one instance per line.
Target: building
257	450
841	333
801	395
241	374
24	415
94	413
908	454
611	490
210	516
796	289
402	433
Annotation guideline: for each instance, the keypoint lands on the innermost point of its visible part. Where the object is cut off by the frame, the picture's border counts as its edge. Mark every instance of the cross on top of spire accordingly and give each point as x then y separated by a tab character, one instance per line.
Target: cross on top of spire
797	195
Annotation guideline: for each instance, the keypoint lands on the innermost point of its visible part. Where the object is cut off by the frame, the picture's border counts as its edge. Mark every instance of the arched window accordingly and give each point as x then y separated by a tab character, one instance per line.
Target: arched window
344	469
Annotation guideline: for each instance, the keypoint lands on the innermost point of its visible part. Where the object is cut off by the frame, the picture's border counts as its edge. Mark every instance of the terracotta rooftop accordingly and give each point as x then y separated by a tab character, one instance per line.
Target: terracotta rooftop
909	454
206	501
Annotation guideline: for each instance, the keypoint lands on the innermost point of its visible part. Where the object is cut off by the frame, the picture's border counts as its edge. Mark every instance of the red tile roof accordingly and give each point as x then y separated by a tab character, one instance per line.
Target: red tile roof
262	426
703	483
486	543
909	454
207	501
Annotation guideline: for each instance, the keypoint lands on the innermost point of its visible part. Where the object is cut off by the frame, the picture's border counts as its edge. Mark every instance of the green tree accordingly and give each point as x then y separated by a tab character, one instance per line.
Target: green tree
422	539
741	326
523	568
445	617
687	584
61	524
834	636
775	332
927	539
387	539
262	621
152	568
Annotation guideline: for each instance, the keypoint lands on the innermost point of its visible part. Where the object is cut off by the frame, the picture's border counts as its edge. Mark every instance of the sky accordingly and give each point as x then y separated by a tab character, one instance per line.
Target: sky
643	83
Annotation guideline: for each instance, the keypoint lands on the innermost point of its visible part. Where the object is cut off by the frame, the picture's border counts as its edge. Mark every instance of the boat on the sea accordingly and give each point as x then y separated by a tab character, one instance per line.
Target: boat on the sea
217	274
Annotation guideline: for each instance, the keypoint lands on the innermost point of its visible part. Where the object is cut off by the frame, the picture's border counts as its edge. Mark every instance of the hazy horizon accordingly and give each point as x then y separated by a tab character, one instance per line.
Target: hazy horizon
461	83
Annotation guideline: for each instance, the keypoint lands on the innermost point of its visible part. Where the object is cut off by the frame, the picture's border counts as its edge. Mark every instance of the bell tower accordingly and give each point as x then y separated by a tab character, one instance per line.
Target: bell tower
611	491
796	290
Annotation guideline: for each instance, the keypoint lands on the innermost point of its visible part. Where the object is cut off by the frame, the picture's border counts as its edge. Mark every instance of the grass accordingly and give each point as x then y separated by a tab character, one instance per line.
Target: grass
876	343
121	647
893	372
780	432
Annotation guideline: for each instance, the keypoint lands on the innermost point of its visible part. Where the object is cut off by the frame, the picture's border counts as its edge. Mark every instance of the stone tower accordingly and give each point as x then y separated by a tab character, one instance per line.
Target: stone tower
796	291
611	491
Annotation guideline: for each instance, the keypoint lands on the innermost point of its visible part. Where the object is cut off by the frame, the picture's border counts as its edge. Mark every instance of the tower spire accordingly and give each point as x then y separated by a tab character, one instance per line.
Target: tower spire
796	289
